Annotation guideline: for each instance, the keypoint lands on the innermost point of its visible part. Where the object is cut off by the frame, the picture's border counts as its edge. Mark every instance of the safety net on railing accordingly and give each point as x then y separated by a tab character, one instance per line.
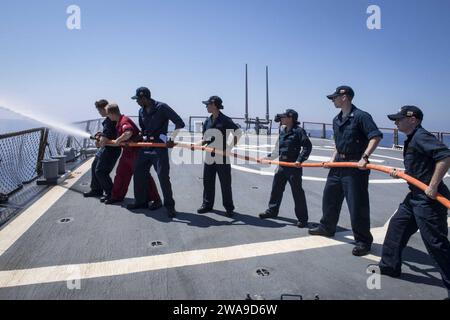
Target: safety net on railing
19	154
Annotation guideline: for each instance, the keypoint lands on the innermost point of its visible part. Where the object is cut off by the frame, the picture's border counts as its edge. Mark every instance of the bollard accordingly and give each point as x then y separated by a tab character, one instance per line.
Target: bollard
50	169
70	154
61	164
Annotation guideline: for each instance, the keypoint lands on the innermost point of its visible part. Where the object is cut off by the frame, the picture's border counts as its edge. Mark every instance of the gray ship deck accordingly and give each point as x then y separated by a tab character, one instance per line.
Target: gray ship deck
203	256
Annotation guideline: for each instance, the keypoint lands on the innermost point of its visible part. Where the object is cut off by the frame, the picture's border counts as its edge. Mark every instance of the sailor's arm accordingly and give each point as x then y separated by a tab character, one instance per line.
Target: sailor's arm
373	144
439	172
306	148
333	156
103	141
275	152
176	119
123	138
202	142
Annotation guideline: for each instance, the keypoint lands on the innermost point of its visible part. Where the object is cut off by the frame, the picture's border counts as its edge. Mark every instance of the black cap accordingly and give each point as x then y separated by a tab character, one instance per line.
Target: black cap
407	111
142	92
341	91
277	117
289	113
216	100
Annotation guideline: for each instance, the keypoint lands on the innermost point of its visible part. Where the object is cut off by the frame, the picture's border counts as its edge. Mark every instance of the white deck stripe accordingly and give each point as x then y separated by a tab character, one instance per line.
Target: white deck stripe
51	274
16	228
308	178
13	278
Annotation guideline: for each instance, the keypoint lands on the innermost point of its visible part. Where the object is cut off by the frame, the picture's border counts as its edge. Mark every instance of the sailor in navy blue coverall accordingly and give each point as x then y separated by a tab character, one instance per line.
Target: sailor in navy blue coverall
105	159
428	160
216	131
154	119
294	146
356	136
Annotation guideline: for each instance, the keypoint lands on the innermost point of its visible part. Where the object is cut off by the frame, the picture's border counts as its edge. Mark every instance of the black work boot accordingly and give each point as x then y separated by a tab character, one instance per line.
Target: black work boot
361	249
386	271
229	213
134	206
302	224
155	205
268	214
204	209
320	231
92	194
171	212
105	198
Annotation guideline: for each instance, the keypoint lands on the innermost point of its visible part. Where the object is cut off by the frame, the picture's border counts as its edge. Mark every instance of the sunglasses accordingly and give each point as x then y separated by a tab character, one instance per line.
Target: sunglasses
334	98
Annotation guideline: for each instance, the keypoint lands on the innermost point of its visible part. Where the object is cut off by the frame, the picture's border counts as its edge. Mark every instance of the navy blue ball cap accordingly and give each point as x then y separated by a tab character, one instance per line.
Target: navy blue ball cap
407	111
289	113
216	100
142	92
340	91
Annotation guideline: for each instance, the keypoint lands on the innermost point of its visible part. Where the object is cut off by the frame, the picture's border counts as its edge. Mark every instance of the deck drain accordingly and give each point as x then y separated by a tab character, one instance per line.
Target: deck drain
262	272
255	188
155	244
65	220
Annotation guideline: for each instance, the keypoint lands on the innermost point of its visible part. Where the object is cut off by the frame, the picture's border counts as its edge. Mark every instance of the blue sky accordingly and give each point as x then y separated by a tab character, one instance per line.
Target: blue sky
187	50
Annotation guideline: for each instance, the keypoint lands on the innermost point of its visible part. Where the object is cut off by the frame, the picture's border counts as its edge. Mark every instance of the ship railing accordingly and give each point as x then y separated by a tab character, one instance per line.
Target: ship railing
445	137
20	155
318	129
196	123
391	136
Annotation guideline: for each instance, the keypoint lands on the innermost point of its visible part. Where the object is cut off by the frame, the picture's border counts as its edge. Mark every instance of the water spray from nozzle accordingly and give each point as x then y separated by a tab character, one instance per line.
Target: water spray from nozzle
70	129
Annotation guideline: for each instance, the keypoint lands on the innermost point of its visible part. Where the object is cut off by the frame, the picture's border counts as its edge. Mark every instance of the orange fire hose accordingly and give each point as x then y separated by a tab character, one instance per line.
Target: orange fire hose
389	170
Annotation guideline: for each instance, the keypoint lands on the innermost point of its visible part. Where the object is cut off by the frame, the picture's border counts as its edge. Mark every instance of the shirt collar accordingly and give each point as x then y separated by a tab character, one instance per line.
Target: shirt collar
292	129
414	132
218	117
351	113
153	109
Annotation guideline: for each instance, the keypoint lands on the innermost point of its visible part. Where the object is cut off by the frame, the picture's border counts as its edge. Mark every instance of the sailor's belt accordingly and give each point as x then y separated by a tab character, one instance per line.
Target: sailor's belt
287	158
349	156
152	139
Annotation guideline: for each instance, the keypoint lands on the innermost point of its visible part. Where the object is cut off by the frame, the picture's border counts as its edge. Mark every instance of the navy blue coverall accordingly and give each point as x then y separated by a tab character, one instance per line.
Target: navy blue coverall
154	125
352	135
418	212
104	161
218	165
293	146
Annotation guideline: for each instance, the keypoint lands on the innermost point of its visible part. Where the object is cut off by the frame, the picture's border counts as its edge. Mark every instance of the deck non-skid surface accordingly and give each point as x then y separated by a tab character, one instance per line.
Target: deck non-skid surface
109	248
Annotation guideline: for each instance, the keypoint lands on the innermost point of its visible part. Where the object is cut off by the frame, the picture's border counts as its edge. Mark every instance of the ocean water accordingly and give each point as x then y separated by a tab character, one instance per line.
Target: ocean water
388	137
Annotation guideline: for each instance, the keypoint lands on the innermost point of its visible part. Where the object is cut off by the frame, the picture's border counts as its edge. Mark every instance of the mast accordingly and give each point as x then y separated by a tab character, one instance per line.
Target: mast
246	93
267	94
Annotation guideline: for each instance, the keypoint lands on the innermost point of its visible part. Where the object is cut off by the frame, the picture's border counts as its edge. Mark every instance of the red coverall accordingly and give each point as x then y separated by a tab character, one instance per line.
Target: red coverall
125	168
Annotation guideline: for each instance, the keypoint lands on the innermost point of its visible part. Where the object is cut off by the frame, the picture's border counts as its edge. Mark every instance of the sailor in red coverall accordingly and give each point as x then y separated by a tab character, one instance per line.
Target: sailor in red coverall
127	131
